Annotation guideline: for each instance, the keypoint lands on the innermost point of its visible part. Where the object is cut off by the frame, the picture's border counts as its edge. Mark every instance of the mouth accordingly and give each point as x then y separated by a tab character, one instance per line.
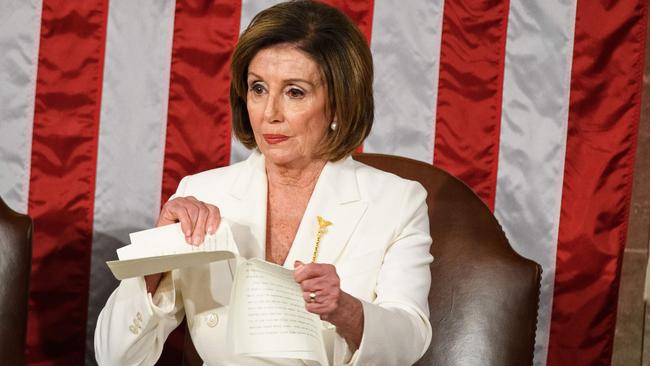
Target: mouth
273	139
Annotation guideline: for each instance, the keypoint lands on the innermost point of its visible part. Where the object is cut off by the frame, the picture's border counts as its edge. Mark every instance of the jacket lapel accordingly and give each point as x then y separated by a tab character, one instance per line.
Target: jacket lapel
335	198
249	188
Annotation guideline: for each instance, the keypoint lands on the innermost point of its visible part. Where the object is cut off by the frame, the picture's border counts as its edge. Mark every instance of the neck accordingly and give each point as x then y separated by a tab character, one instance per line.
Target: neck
302	176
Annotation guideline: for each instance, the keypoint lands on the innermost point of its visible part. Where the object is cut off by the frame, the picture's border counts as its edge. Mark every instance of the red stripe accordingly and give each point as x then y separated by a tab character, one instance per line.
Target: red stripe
62	181
361	12
468	117
199	119
604	114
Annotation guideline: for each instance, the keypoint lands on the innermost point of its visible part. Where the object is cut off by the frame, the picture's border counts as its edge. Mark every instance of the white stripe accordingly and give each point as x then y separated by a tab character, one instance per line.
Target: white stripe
536	87
249	8
406	49
131	135
20	26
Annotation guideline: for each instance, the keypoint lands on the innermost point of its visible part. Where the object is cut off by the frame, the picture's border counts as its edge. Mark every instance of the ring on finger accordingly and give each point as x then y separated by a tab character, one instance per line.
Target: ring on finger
312	297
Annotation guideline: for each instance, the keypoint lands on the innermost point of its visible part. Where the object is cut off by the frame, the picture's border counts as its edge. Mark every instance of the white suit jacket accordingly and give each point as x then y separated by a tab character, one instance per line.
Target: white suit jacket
379	243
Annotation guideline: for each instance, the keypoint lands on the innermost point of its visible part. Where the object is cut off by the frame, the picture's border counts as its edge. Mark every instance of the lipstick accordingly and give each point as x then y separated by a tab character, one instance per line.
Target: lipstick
273	139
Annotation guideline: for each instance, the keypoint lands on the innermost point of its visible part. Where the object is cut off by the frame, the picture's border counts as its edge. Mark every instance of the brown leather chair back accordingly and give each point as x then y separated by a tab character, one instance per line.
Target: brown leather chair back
15	266
483	297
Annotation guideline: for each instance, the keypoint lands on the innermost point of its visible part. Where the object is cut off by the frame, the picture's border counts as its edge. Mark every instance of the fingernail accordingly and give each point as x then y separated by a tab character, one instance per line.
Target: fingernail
210	229
188	239
297	264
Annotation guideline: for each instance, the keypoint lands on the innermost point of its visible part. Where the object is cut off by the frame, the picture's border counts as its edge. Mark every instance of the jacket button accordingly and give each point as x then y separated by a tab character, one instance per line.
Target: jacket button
212	320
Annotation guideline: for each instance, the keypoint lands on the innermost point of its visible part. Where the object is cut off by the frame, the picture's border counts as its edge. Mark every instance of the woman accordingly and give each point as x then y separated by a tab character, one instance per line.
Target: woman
301	95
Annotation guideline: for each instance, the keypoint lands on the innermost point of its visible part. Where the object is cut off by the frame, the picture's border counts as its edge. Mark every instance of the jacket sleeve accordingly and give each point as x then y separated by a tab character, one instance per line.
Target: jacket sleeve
134	324
396	327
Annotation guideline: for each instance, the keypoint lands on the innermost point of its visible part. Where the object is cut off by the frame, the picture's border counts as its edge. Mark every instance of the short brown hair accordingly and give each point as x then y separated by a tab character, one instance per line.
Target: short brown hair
331	39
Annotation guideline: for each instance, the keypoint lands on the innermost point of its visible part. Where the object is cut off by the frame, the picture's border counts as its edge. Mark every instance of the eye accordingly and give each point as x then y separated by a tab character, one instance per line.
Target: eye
257	89
295	93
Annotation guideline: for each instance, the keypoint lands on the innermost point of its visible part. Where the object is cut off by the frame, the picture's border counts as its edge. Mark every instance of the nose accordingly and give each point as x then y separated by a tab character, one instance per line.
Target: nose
273	108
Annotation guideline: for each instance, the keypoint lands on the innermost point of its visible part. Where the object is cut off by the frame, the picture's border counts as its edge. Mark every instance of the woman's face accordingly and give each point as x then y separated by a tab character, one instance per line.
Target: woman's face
286	104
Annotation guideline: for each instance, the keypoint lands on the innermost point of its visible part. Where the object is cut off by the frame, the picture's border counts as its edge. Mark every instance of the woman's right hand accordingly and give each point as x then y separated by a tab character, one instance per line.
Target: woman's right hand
197	219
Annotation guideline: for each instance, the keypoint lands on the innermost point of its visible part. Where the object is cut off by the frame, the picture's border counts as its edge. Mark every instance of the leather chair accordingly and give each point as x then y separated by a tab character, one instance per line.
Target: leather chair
15	269
483	298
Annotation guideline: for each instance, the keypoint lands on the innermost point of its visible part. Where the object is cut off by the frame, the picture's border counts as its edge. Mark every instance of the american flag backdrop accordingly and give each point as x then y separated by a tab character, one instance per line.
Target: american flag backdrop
106	104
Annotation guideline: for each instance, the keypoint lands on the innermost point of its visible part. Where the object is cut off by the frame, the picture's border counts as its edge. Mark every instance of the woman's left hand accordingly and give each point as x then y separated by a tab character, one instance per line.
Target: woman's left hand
329	301
322	281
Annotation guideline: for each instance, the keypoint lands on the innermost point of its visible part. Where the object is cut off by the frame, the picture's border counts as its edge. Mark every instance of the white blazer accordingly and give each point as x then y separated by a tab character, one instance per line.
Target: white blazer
379	243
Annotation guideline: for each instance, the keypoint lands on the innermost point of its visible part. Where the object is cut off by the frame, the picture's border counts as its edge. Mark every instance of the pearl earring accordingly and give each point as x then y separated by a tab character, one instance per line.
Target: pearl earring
333	125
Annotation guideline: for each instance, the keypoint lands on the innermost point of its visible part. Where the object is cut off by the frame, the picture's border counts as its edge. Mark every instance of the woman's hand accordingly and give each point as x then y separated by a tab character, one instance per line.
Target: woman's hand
197	218
321	289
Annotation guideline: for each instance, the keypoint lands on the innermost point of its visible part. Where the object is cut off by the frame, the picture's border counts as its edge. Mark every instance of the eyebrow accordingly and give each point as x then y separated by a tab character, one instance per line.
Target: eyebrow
292	80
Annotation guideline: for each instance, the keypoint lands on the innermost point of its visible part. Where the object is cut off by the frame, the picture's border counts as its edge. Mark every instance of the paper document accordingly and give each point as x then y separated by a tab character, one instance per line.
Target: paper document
266	316
164	248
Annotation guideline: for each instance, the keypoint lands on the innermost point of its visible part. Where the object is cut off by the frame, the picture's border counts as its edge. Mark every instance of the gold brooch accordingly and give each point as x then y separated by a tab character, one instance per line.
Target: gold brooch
322	224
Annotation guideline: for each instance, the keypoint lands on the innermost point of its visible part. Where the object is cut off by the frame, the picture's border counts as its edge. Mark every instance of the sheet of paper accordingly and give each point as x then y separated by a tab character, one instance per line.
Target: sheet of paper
268	318
169	239
164	248
145	266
